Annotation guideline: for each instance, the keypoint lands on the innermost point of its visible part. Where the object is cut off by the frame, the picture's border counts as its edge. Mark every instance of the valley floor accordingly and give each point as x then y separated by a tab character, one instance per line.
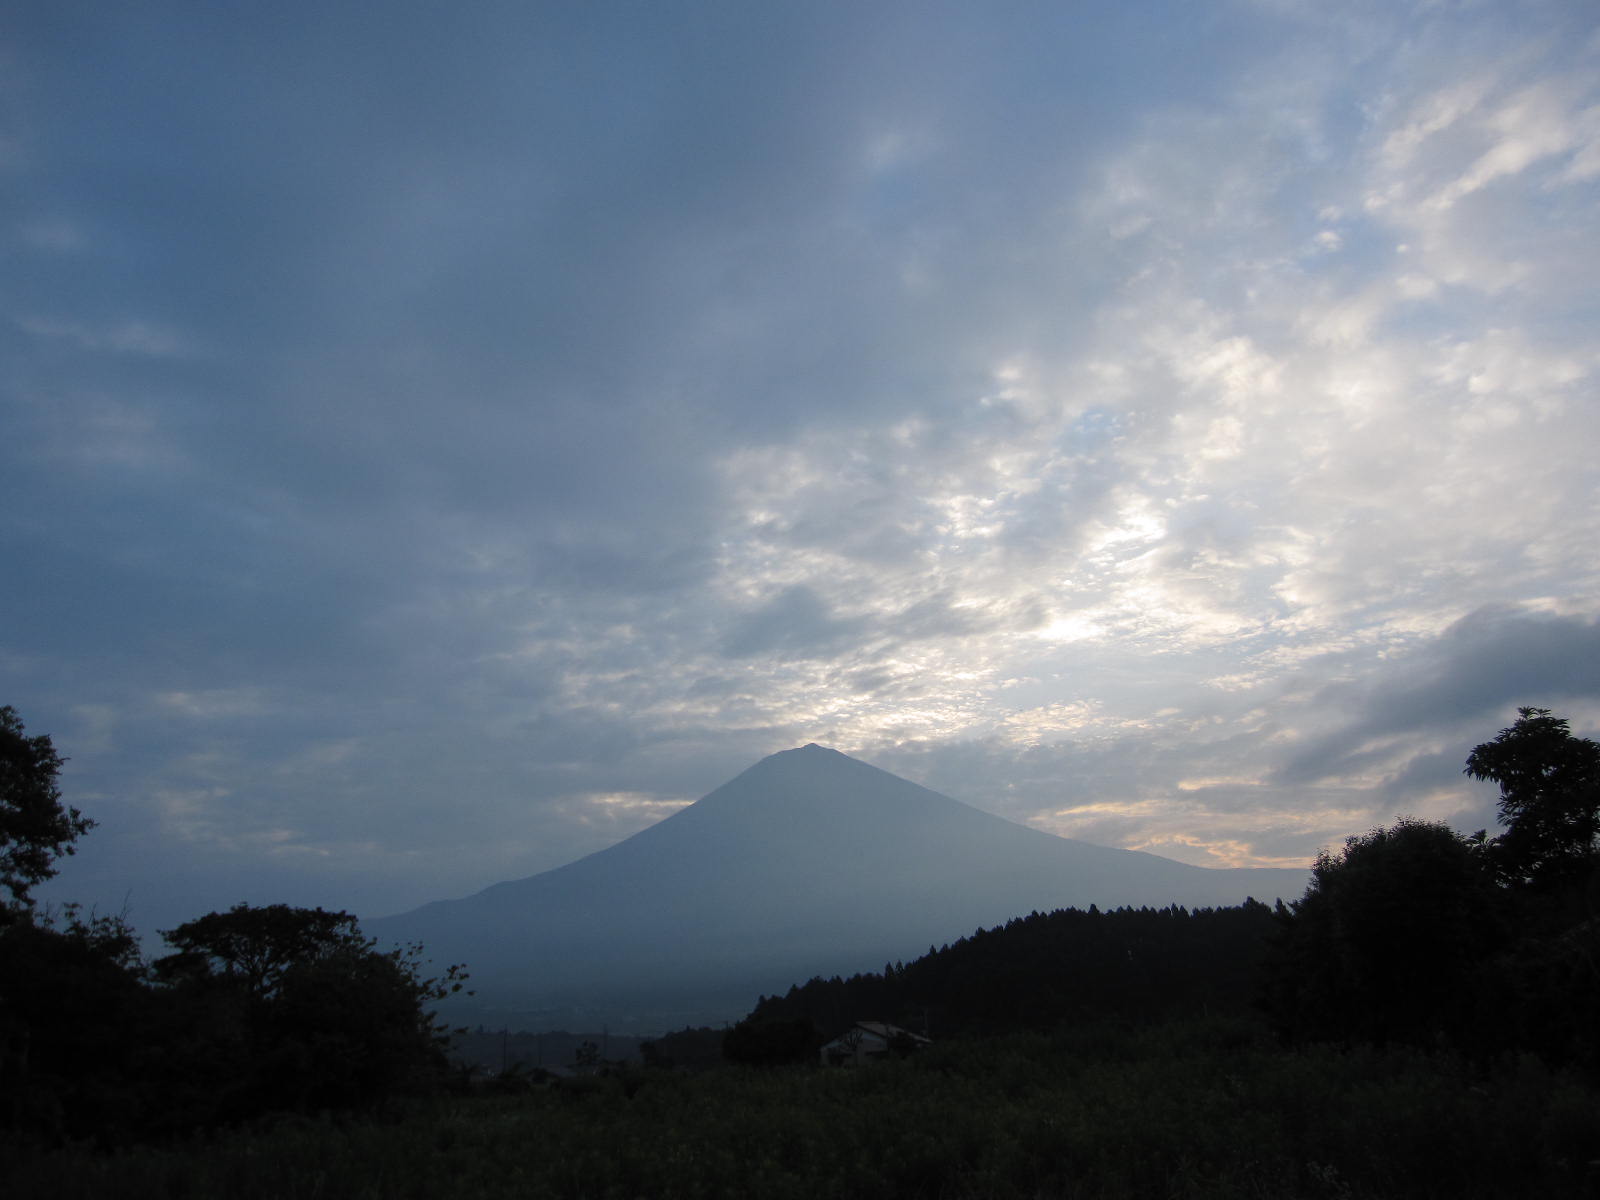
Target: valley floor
1208	1109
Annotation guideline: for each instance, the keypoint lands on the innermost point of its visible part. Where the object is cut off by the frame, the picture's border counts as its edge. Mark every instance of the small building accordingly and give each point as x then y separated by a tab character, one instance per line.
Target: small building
867	1041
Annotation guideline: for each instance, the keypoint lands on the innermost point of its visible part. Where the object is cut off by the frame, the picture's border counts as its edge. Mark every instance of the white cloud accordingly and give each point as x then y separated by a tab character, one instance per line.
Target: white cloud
57	235
132	336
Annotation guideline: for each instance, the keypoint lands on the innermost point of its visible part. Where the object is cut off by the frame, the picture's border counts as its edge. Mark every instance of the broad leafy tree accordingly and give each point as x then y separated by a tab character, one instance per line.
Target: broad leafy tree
771	1042
1413	932
35	827
1549	798
72	996
257	1009
1548	985
304	1010
255	946
1389	940
75	1020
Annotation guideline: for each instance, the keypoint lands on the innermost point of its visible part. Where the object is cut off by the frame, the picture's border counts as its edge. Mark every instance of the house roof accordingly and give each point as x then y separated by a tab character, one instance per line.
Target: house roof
887	1031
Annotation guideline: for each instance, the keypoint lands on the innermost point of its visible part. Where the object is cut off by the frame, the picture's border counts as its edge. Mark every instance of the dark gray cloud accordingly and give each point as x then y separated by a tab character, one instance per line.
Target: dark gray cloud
1474	674
1493	658
794	624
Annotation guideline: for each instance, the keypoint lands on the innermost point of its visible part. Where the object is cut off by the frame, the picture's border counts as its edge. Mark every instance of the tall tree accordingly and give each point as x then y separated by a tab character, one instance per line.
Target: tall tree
256	946
302	1011
1549	798
35	828
1549	858
1388	942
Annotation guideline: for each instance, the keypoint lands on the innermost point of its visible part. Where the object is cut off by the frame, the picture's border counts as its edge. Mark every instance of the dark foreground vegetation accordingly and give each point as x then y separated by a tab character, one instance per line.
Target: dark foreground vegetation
257	1010
1423	1022
1194	1109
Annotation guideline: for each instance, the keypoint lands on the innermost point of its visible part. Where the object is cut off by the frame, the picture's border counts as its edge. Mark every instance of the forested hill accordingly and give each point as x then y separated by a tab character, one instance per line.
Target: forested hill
1048	968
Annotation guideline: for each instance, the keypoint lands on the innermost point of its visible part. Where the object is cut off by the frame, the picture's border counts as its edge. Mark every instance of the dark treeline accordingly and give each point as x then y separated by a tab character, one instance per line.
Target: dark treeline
97	1045
1411	934
1415	934
257	1010
1044	969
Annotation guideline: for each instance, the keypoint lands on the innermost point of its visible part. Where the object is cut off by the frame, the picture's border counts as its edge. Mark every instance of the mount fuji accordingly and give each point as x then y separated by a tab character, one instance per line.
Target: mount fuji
808	863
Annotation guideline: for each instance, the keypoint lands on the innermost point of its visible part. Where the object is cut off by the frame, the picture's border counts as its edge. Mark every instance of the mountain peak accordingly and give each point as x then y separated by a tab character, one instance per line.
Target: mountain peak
825	783
809	862
810	755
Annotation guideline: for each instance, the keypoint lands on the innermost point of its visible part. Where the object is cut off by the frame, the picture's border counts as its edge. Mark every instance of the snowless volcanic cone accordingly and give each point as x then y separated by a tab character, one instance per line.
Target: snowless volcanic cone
809	863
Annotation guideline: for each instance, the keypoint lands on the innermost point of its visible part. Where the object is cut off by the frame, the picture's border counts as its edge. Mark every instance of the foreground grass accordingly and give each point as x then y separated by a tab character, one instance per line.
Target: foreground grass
1201	1110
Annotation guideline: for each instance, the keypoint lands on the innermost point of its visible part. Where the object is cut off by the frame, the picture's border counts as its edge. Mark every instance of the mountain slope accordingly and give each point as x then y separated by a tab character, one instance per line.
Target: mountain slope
810	862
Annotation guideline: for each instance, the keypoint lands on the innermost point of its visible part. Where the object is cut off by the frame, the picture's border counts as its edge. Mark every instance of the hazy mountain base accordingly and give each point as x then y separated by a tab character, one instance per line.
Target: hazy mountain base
808	863
1195	1109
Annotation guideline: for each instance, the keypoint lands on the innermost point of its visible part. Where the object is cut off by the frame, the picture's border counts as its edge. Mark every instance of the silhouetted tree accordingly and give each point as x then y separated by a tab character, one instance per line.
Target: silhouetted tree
1549	798
691	1049
303	1010
1389	940
1547	985
258	1008
35	828
254	947
771	1042
75	1055
350	1028
71	988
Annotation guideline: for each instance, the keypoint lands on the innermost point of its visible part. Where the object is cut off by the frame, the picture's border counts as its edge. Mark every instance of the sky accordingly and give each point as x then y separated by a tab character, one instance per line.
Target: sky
437	442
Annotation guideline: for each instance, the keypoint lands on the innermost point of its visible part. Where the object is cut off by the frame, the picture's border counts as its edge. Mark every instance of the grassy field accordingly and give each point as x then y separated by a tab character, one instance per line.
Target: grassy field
1193	1110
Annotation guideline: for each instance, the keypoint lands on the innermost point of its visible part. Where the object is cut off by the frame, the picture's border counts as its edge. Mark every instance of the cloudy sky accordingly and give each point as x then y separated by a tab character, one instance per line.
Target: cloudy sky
437	442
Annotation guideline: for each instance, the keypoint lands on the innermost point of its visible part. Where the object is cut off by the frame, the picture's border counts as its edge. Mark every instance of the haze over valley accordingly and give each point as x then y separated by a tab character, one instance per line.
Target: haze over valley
808	863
